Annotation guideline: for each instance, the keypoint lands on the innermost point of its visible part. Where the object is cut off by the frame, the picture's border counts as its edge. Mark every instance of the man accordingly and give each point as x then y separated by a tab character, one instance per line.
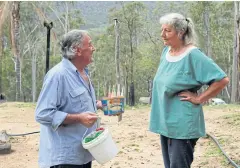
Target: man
66	108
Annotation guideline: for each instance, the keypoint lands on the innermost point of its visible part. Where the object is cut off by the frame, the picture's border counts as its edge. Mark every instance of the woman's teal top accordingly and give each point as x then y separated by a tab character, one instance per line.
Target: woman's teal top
170	116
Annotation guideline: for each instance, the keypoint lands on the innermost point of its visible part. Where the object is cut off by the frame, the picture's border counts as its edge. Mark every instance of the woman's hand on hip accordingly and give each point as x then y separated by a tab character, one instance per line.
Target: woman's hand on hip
189	96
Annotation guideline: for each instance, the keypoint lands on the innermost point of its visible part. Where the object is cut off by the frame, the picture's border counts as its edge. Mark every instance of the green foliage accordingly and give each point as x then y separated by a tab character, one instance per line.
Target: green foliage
131	17
140	41
233	119
75	19
221	23
103	68
8	75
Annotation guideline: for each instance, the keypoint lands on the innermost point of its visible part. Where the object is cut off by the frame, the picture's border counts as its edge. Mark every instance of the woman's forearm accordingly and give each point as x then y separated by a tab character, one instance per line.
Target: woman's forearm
213	90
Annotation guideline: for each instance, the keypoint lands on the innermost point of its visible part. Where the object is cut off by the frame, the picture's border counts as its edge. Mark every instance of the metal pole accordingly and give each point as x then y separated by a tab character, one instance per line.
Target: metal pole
117	53
48	26
118	80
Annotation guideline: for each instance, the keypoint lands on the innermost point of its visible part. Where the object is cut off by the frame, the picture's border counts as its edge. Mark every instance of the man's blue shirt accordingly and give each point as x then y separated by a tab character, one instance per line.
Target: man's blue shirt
63	92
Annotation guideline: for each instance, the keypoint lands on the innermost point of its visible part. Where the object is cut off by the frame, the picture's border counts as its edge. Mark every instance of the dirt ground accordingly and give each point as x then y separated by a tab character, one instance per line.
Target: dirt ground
138	148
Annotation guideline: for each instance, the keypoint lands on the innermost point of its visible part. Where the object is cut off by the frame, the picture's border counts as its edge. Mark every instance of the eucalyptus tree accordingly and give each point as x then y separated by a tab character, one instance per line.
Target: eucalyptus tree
32	44
222	29
235	73
3	11
200	13
131	16
28	40
66	15
214	24
103	68
11	10
15	37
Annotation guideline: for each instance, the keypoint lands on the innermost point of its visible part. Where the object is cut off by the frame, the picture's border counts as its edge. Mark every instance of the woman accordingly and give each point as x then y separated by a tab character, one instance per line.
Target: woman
176	107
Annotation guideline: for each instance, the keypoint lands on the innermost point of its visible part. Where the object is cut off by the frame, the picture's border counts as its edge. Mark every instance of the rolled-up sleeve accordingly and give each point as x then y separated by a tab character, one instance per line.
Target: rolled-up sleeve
47	112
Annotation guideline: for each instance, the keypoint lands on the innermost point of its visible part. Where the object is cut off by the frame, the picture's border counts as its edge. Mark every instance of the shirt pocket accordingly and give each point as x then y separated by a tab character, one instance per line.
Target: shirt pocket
78	98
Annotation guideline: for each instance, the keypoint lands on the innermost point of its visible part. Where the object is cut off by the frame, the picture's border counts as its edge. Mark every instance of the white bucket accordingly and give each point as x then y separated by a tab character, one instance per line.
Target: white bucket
102	148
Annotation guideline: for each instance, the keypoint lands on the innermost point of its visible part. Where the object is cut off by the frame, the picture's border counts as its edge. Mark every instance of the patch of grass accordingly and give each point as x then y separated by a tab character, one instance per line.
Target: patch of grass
136	149
213	152
224	162
232	119
203	163
228	106
137	106
135	145
3	105
223	141
237	162
216	107
130	158
116	163
120	152
18	105
23	105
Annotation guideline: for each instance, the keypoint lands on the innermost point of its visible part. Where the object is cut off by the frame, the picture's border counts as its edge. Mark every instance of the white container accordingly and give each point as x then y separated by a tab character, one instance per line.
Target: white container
102	148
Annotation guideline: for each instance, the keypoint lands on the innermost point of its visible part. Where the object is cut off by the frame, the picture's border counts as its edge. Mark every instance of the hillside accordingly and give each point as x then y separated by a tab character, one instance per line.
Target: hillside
95	13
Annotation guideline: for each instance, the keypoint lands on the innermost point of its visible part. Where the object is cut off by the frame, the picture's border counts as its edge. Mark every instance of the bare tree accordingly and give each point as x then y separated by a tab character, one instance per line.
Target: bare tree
235	78
4	8
1	60
206	25
15	36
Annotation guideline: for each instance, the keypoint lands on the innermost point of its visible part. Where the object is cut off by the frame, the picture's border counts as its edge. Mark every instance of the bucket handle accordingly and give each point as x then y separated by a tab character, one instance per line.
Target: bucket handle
84	134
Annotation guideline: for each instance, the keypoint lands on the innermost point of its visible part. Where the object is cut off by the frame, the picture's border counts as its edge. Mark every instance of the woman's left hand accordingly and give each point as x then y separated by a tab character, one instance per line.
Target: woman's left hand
189	96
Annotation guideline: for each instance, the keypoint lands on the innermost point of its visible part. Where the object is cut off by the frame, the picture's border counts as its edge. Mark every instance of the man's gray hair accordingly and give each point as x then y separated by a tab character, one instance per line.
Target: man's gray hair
70	40
181	24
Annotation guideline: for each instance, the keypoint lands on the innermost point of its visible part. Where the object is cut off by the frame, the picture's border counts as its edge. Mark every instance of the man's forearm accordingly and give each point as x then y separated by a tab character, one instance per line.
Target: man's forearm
72	119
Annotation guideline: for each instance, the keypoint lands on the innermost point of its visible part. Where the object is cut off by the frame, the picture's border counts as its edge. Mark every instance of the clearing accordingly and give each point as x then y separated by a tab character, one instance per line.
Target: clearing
138	148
